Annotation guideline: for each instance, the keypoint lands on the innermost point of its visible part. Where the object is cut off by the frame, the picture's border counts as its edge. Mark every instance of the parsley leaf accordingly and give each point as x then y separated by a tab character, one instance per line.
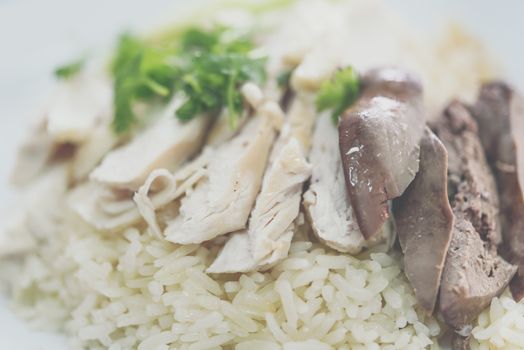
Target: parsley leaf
195	39
338	93
284	78
208	67
141	73
212	82
216	66
70	69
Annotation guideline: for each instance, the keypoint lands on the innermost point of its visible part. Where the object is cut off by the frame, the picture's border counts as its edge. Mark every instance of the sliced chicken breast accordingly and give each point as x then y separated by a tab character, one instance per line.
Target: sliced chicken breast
221	130
268	238
165	144
222	200
77	107
70	120
174	186
235	256
33	155
103	208
271	226
90	153
107	209
326	202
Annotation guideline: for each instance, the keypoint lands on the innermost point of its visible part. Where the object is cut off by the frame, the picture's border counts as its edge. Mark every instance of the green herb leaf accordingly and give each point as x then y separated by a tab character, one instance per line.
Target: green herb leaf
284	78
195	39
69	70
207	66
338	93
142	73
216	67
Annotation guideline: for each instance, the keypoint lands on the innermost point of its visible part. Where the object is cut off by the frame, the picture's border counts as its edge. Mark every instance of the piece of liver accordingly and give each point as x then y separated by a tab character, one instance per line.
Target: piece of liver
459	342
474	273
424	220
499	112
379	140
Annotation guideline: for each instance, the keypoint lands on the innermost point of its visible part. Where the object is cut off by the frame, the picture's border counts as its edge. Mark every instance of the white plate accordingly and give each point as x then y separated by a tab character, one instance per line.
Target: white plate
36	36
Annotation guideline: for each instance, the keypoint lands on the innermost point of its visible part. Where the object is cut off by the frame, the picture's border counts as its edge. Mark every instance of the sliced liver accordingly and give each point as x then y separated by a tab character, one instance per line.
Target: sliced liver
499	112
424	220
459	342
473	273
379	144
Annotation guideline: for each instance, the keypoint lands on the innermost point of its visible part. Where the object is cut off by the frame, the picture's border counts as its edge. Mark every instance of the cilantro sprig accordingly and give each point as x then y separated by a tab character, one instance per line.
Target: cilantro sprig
284	78
208	67
141	73
69	70
338	93
215	69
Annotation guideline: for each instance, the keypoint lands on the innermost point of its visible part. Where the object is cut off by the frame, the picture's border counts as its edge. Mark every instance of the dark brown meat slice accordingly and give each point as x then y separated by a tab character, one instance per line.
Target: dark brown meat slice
379	144
473	273
499	112
459	342
472	187
424	219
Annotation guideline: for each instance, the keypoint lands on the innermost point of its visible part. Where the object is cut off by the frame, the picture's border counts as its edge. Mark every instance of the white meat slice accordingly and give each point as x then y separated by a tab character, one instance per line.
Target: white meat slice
326	202
235	256
33	155
103	208
301	119
110	210
77	105
271	225
174	186
221	202
221	130
90	153
272	222
278	203
166	144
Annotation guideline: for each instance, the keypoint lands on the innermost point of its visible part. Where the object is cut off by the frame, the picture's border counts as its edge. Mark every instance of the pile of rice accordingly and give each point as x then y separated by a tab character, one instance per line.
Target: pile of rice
501	326
133	291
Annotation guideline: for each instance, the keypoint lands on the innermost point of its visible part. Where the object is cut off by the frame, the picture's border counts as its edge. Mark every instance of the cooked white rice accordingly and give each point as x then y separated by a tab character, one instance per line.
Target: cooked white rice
134	291
501	326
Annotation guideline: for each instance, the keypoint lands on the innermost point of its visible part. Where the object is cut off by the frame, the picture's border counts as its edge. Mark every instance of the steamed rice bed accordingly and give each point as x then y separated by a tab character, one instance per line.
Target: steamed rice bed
137	292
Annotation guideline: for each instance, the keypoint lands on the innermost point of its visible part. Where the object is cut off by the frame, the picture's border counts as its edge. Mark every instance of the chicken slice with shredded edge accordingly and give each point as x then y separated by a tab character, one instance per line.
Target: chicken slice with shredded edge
185	179
167	143
326	202
176	185
222	200
271	226
77	106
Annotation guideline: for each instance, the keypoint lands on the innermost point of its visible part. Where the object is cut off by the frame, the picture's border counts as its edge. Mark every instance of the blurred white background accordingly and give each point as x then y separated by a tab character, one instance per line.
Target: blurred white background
38	35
